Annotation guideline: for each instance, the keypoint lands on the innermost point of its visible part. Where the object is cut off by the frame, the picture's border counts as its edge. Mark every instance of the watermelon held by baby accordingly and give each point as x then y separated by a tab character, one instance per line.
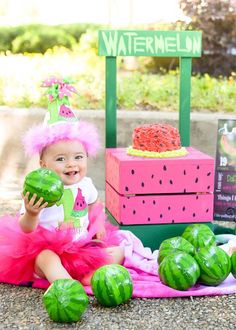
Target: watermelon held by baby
46	184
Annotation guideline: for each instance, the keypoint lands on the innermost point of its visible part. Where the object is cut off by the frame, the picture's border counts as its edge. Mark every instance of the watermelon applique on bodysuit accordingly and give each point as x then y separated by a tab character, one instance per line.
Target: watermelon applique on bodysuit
80	208
73	210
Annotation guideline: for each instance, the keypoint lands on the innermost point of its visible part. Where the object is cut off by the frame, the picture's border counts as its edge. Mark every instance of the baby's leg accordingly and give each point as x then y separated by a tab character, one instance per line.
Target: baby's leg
117	257
116	253
48	265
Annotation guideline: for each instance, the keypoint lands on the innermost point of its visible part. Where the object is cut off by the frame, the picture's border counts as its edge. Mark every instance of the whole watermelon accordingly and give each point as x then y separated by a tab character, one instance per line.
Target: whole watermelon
176	244
214	263
45	183
65	301
199	235
233	264
179	271
112	285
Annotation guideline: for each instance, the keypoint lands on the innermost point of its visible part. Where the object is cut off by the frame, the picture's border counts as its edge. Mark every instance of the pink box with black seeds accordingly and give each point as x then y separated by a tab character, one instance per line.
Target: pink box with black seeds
159	191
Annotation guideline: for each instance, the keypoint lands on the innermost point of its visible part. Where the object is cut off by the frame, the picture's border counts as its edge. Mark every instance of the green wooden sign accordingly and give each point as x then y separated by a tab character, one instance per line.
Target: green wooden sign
150	43
182	44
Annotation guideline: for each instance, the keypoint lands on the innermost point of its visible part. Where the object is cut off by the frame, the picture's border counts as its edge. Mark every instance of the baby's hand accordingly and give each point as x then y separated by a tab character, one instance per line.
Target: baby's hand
33	208
101	234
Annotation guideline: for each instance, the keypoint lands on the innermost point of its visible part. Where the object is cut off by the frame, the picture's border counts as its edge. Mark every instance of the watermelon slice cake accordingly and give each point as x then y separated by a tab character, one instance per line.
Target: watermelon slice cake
156	141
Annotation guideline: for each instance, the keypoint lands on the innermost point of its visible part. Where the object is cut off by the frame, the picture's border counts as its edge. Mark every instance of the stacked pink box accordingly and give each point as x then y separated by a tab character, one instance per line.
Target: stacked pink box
159	191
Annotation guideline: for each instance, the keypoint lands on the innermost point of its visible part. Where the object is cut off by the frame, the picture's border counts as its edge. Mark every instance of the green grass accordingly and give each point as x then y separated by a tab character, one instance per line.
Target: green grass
21	77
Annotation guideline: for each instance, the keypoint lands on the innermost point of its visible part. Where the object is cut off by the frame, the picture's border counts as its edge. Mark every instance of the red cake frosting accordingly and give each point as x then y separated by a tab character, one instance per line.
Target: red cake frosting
156	138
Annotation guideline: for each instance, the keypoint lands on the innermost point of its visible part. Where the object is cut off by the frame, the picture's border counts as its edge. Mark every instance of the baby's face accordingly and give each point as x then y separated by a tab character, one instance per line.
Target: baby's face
68	159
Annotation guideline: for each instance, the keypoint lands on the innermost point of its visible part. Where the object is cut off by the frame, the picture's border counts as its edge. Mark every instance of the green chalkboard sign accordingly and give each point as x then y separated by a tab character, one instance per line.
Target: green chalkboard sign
225	171
150	43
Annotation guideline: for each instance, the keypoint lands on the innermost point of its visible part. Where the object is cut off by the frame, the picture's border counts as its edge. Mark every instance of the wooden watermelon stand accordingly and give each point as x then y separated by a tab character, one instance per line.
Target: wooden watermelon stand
154	211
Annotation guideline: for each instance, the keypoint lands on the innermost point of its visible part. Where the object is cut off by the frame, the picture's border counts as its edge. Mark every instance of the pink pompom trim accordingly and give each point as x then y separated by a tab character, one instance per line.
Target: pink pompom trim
39	137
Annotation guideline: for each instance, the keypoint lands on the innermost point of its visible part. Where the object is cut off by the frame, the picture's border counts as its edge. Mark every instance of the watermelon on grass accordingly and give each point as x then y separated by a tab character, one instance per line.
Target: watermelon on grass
233	264
179	270
45	183
176	244
112	285
214	263
199	235
65	301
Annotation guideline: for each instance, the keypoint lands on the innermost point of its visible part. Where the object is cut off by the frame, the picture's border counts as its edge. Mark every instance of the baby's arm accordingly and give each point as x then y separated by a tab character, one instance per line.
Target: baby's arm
102	231
29	220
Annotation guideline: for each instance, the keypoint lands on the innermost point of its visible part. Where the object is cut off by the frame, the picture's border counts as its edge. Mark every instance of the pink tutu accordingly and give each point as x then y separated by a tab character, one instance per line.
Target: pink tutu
18	250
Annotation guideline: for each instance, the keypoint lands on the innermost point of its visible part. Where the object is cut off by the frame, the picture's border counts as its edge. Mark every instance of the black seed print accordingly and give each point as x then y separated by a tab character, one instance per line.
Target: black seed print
143	201
134	211
164	168
194	214
154	202
184	172
161	215
152	176
169	208
196	180
121	223
183	208
132	171
184	191
207	210
209	173
197	197
208	187
124	206
126	188
198	167
173	221
171	182
142	184
160	181
149	219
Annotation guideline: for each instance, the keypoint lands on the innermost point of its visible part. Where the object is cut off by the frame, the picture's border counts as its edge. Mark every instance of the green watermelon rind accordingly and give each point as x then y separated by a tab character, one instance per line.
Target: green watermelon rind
45	183
179	270
65	301
215	265
199	235
112	285
62	118
174	244
79	214
233	264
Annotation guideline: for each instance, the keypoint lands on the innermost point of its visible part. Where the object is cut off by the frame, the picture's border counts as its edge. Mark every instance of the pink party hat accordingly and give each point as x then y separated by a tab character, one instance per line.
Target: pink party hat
60	123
